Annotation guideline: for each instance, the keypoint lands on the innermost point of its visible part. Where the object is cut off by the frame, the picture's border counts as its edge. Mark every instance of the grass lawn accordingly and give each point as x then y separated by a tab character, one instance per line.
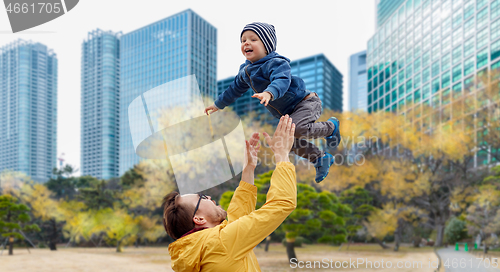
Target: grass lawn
157	258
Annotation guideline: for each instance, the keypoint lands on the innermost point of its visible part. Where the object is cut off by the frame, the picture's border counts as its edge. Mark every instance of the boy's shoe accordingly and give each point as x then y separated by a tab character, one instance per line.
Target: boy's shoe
322	166
333	140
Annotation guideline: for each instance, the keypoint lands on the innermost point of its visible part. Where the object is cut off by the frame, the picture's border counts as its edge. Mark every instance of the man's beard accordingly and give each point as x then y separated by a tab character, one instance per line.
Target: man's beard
222	214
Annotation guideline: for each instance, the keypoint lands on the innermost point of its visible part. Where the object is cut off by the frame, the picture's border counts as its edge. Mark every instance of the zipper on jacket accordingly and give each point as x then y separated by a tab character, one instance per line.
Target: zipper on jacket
251	85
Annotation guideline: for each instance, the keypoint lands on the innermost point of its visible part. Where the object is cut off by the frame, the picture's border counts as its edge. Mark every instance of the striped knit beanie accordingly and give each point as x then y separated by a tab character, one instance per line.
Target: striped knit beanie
266	34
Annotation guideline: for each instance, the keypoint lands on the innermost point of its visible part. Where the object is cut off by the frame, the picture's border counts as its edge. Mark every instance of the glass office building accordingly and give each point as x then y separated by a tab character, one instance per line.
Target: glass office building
28	109
319	75
100	104
180	45
358	96
429	52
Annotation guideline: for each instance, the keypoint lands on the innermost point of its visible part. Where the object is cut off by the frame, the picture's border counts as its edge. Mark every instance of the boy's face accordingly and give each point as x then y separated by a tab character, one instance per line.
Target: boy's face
252	47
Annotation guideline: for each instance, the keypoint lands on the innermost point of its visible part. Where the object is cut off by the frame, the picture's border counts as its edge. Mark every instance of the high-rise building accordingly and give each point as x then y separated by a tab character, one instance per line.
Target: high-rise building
177	46
358	97
100	104
429	52
385	8
319	75
28	109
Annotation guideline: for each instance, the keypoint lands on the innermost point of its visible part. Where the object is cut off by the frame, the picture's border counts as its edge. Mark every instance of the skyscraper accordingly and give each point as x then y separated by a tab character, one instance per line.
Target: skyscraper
358	97
28	109
180	45
319	75
428	53
100	104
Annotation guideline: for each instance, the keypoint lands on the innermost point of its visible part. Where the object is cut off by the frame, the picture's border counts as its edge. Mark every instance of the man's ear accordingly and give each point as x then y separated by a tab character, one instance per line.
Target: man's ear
199	220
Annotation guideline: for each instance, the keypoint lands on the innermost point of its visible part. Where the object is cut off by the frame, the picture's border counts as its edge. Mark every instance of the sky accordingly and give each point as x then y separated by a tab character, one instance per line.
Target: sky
336	28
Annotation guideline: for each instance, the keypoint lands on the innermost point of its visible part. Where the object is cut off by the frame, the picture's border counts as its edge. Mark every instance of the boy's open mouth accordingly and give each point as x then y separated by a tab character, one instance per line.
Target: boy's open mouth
248	51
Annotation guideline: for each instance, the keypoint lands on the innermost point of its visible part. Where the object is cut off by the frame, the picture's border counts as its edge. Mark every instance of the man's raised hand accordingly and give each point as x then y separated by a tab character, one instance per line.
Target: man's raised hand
251	148
282	140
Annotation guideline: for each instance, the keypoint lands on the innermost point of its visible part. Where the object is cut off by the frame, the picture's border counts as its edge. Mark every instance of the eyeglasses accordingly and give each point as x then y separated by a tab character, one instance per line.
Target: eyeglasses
202	196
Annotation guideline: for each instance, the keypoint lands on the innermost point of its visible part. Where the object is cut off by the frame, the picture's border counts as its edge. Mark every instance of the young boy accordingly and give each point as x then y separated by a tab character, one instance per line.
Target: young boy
268	74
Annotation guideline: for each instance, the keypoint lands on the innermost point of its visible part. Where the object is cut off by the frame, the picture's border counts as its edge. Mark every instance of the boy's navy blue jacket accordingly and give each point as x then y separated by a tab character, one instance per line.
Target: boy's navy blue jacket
271	73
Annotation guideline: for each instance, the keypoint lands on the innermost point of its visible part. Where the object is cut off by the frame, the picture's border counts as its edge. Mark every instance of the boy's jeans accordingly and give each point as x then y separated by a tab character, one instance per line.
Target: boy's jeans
304	116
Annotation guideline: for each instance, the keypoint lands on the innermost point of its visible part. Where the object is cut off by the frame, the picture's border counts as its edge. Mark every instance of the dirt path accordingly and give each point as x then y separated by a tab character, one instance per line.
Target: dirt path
87	259
331	260
457	261
157	259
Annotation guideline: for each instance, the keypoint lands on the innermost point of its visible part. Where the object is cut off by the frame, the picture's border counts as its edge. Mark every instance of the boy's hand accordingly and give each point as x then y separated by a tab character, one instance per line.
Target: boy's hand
263	97
212	108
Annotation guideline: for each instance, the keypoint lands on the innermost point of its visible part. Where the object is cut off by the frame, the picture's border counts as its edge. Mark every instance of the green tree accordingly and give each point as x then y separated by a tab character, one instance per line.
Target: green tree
318	214
359	201
14	220
455	231
98	196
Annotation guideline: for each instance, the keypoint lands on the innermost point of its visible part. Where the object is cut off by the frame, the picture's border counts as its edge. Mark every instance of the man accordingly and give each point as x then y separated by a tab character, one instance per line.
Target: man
208	242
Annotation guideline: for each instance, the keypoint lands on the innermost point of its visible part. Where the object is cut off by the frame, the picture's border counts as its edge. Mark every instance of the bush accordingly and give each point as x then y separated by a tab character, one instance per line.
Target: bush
455	230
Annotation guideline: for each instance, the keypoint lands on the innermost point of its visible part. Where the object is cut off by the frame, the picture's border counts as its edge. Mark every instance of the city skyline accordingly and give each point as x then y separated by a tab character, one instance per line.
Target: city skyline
318	34
427	54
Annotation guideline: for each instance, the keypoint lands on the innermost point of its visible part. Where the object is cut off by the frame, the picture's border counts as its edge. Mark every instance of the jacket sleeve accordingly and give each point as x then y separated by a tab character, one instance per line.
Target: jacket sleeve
243	201
241	236
280	77
237	88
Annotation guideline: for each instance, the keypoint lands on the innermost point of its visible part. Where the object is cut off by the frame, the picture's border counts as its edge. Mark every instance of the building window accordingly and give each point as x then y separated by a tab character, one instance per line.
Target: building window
457	18
469	66
495	68
482	18
457	90
457	73
495	50
409	86
435	85
445	79
426	74
401	91
416	96
457	36
416	65
426	58
435	68
409	71
426	91
416	81
482	57
469	47
482	38
468	9
495	8
445	62
469	27
457	55
495	30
